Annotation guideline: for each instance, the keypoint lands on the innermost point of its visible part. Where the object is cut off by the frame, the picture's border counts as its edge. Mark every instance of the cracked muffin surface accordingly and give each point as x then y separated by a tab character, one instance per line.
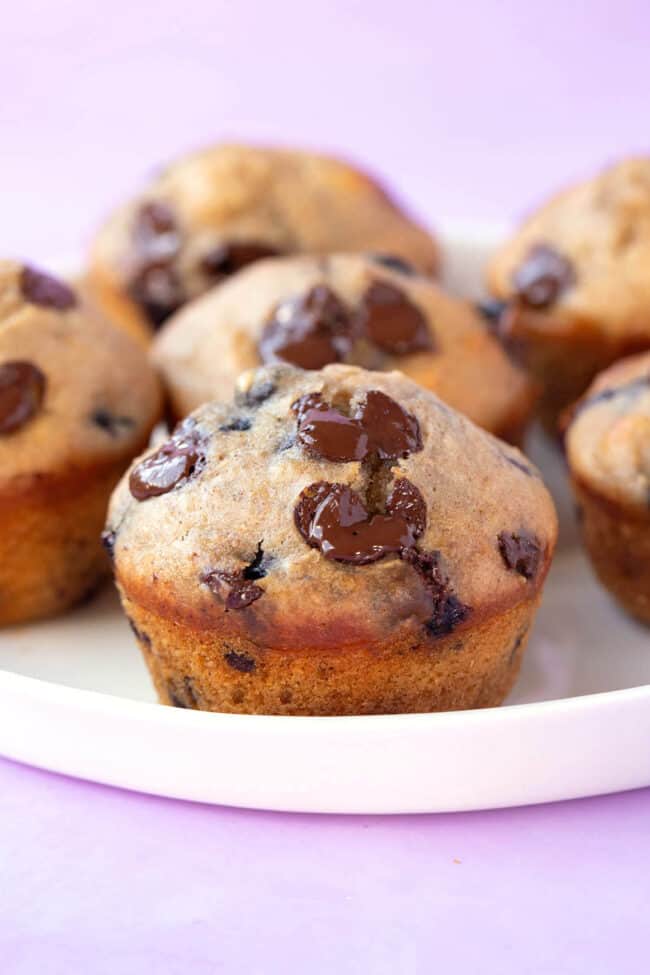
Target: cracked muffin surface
77	400
311	311
608	452
211	213
575	282
337	541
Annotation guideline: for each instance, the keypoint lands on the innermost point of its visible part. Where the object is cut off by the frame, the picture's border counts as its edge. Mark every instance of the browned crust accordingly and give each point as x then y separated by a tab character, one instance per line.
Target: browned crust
617	539
201	669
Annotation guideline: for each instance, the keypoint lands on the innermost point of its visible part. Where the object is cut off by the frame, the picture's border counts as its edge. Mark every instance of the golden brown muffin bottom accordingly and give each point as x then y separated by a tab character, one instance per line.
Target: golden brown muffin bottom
618	542
473	667
50	551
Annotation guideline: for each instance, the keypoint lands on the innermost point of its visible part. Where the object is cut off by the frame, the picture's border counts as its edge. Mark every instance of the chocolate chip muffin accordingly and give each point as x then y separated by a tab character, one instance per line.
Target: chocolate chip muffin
608	450
574	282
77	402
331	542
311	311
214	212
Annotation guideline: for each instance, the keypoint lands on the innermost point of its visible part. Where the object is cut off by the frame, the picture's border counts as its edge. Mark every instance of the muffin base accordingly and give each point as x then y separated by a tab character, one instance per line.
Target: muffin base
618	542
473	667
50	551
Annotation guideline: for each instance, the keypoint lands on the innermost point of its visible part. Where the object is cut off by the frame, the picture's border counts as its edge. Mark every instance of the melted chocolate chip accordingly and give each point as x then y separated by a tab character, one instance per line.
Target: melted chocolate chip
237	424
108	541
521	552
392	322
180	458
309	331
110	423
394	263
157	289
22	387
42	289
240	592
544	275
230	257
379	427
448	610
238	660
334	519
155	285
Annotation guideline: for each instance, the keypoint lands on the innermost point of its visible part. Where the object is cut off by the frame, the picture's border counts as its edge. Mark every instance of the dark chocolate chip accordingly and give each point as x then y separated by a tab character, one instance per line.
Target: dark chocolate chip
22	388
239	591
157	289
491	311
238	660
155	232
110	423
392	322
257	394
521	552
379	426
258	567
448	610
140	635
177	460
42	289
334	519
238	424
309	331
394	263
543	277
227	258
108	541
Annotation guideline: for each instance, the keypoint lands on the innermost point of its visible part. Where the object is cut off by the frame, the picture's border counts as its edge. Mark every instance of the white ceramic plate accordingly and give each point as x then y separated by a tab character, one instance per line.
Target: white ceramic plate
75	698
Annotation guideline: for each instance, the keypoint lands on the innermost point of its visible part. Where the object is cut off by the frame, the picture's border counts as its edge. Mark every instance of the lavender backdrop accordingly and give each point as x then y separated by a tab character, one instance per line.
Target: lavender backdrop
473	111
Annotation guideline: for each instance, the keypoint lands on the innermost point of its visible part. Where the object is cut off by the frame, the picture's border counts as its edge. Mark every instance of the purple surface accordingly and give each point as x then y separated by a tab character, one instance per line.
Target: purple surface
474	111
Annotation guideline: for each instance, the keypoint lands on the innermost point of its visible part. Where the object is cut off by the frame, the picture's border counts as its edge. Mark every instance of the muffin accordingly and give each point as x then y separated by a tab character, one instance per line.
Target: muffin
214	212
311	311
332	542
575	283
608	451
77	402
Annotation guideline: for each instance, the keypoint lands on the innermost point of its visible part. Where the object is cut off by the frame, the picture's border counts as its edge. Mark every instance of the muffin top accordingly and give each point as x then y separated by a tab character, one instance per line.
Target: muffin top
74	392
608	437
331	508
583	258
312	311
213	212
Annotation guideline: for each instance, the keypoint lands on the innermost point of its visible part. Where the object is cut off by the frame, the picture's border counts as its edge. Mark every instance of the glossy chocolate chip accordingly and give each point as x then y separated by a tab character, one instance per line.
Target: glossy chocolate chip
309	331
394	263
111	423
108	538
379	426
521	552
180	458
543	277
22	387
238	660
39	288
392	322
227	258
157	289
334	519
447	609
238	591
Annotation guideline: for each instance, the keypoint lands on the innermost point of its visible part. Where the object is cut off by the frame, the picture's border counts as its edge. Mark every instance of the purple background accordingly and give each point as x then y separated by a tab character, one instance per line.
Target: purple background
473	111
